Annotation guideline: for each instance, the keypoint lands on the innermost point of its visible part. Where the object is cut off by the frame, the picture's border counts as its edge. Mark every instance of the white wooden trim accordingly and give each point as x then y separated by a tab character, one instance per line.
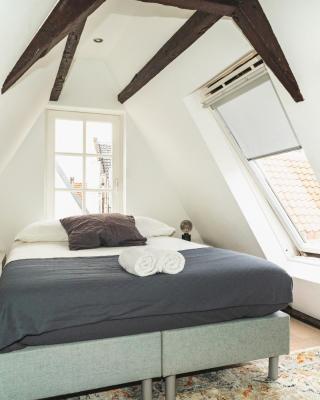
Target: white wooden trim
116	119
85	110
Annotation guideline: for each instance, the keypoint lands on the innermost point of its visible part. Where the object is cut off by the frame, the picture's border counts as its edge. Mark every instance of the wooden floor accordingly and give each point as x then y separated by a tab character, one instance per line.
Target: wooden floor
303	336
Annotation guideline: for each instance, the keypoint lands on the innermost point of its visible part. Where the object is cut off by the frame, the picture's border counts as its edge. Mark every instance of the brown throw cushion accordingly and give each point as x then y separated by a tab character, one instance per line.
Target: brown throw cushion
102	230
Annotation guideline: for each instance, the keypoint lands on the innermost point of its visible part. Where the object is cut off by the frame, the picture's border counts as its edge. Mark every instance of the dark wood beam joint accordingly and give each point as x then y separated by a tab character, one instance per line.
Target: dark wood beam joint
251	19
65	15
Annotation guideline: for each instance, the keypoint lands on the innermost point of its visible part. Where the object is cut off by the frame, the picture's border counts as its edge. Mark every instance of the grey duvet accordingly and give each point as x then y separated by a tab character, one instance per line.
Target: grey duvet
63	299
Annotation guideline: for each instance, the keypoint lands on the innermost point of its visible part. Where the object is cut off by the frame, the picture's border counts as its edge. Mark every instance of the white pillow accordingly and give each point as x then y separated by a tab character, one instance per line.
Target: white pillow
43	231
149	227
53	231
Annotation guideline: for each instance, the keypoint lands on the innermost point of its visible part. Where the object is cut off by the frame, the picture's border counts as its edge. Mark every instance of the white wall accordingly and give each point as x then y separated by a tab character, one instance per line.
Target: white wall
20	146
162	117
171	171
22	185
301	49
22	104
148	189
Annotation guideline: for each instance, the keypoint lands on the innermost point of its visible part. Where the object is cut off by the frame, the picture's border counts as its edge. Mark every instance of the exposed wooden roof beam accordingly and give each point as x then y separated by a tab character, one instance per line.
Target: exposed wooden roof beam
223	7
66	61
61	21
253	22
251	19
195	27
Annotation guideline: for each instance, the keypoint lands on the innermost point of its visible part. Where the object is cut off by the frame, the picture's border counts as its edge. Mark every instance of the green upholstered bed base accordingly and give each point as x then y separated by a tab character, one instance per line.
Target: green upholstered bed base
226	343
41	372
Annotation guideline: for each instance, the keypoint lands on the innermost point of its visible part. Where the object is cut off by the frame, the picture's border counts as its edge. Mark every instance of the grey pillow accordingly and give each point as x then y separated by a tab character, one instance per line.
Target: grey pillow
102	230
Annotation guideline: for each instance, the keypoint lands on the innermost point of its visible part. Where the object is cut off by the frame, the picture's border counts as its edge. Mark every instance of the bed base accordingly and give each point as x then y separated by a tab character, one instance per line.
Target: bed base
222	344
47	371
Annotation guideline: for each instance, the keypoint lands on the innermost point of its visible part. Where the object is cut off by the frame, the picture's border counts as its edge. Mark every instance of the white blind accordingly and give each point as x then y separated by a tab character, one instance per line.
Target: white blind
257	121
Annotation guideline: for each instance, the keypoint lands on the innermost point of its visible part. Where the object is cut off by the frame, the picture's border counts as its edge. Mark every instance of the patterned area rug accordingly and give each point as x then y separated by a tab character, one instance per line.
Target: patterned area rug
299	378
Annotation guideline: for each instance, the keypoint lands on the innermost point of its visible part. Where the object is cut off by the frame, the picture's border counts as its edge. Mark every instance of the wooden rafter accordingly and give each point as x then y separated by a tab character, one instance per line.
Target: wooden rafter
253	22
195	27
249	16
66	61
61	21
223	7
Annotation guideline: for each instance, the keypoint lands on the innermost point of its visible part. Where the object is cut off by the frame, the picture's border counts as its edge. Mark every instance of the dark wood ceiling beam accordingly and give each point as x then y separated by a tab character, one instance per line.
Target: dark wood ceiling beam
223	7
191	31
253	22
66	61
61	21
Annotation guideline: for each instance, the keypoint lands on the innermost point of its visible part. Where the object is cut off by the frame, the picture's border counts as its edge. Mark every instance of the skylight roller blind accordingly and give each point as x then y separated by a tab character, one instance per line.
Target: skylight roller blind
258	121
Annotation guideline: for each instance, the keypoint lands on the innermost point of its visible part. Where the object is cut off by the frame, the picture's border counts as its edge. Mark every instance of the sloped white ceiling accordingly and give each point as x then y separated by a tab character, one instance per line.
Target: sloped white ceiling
159	112
20	106
132	33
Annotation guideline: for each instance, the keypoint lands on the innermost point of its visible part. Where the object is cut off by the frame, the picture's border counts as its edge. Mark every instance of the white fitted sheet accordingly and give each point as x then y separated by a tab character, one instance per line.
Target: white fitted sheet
23	251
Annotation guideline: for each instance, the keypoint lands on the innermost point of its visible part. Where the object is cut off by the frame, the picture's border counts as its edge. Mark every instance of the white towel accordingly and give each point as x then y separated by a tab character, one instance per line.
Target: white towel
168	261
138	261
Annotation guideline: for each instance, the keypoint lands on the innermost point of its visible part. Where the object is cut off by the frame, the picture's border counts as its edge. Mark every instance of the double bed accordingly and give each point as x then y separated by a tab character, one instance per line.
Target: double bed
73	321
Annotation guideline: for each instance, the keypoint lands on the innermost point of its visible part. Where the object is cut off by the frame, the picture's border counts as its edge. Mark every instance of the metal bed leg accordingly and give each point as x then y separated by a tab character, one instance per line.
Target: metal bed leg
273	368
147	389
171	387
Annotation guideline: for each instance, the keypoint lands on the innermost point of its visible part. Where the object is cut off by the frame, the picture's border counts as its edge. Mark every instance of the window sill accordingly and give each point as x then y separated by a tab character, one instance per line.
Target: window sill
304	268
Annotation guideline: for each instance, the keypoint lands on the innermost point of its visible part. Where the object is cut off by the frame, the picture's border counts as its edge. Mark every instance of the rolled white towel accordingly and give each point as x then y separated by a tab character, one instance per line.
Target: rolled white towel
138	261
168	261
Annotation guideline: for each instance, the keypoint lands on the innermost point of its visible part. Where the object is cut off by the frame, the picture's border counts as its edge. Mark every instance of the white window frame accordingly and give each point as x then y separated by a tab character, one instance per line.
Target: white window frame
267	191
117	155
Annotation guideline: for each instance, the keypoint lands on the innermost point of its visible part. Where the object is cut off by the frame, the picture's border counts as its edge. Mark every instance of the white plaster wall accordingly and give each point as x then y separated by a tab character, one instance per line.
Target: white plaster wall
22	185
306	297
171	172
22	104
162	117
298	36
148	189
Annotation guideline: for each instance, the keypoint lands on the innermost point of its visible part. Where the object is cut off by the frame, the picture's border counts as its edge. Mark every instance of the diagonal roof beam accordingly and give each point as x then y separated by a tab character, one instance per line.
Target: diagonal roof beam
192	30
66	61
249	16
61	21
253	22
223	7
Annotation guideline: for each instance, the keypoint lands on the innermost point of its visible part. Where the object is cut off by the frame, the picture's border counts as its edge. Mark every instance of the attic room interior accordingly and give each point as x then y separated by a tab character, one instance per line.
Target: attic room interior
160	200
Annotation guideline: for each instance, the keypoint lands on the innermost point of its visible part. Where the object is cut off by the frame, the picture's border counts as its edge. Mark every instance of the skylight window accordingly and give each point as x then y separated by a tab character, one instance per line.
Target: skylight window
256	121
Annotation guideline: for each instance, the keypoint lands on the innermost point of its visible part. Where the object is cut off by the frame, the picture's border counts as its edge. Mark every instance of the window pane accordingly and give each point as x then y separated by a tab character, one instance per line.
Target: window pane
68	136
99	173
68	204
99	138
68	172
295	184
98	202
